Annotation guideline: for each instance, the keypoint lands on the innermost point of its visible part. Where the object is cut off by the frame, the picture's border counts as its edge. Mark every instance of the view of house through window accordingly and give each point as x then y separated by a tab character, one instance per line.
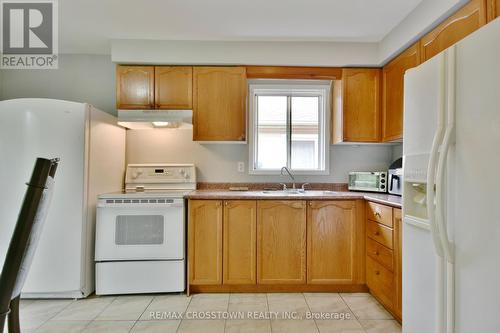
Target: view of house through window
289	128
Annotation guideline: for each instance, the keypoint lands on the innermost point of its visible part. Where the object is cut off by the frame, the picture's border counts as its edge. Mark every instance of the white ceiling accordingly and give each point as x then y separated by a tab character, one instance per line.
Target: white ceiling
87	26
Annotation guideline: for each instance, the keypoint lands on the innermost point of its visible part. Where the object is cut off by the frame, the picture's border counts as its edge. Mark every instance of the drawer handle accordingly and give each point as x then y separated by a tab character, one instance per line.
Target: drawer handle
378	214
377	233
377	272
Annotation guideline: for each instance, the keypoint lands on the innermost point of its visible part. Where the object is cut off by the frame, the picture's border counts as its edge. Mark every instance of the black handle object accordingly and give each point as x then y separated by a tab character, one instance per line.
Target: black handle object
394	178
10	280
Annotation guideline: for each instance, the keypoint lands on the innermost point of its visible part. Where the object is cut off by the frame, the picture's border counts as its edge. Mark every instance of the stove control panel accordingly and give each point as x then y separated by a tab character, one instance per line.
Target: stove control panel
160	176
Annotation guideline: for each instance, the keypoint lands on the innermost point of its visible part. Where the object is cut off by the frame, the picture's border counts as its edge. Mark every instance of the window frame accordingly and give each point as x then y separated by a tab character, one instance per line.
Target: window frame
291	88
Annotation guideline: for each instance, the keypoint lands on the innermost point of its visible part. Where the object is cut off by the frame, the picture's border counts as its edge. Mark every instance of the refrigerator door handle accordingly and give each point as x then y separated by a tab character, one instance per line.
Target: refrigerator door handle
441	166
431	168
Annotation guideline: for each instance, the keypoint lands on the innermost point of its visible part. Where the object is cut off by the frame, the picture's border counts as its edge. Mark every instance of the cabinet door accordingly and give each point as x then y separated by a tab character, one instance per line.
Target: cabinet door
459	25
205	242
493	9
332	242
281	242
134	87
173	87
393	92
380	281
361	104
240	228
219	103
398	258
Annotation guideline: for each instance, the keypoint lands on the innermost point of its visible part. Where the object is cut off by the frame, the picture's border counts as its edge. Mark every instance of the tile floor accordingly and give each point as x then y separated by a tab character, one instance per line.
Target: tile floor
256	313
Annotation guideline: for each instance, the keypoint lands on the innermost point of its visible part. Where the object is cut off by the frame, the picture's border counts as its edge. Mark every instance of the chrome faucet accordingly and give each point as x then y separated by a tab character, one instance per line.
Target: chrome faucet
289	174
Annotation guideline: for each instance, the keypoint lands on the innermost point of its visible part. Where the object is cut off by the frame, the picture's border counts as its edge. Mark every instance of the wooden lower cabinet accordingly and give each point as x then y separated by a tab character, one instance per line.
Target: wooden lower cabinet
239	234
276	245
379	213
398	262
380	233
384	259
380	280
205	242
335	249
492	9
281	242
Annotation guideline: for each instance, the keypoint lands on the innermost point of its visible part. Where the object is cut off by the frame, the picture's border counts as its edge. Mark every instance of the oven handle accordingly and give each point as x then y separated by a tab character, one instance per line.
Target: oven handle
139	205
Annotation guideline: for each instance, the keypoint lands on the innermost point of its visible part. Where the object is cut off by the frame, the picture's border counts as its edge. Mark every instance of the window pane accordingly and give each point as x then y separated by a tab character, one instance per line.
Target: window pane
305	133
271	132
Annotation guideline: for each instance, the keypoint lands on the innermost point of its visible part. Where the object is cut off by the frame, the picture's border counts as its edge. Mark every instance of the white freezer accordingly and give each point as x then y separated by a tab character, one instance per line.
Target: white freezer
92	151
423	95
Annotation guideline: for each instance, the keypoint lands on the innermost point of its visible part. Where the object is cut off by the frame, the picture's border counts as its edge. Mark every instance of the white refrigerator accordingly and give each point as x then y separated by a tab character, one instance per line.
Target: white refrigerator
92	151
451	198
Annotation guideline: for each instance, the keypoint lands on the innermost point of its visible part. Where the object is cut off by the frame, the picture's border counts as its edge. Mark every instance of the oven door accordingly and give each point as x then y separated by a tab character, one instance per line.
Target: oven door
140	230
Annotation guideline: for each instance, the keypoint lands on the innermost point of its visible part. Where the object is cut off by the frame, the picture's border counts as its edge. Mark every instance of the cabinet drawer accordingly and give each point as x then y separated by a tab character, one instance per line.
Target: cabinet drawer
379	213
380	253
381	282
379	233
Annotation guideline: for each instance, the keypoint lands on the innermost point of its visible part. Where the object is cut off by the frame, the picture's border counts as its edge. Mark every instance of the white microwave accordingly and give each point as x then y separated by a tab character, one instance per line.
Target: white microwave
368	181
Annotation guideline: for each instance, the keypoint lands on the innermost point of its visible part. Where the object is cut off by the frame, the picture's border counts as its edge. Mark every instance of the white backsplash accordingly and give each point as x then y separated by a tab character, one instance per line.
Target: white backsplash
219	162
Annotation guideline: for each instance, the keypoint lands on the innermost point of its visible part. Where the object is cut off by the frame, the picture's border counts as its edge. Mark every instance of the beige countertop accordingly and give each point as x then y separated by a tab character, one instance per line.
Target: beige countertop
213	194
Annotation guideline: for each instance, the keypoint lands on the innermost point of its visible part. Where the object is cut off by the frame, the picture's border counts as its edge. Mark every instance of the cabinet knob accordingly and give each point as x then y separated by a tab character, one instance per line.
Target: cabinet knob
376	253
226	203
377	213
377	272
377	233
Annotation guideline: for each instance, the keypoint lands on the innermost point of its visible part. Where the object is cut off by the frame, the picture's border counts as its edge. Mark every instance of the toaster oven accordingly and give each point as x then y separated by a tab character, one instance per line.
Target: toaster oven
370	181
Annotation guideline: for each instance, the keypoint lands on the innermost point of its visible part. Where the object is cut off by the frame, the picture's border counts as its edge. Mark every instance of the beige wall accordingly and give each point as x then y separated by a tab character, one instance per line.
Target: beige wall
91	79
218	162
80	78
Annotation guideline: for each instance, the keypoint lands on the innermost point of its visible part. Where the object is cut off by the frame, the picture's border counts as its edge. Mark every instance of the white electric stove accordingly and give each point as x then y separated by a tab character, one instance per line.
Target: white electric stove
140	233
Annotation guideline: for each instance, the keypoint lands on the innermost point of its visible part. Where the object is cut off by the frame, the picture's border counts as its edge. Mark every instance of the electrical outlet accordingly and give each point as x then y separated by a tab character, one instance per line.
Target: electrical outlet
241	166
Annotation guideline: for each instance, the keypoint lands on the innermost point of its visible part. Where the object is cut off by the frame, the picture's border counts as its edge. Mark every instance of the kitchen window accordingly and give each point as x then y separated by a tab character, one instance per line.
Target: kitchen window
289	126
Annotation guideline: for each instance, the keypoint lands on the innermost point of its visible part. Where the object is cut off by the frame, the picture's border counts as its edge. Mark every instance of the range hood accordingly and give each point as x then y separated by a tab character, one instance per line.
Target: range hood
147	119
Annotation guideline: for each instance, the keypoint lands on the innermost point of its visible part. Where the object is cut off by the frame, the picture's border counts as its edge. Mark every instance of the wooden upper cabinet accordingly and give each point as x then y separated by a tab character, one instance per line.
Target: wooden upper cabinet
135	87
205	242
393	92
459	25
333	239
219	103
492	9
240	228
281	242
357	105
173	87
